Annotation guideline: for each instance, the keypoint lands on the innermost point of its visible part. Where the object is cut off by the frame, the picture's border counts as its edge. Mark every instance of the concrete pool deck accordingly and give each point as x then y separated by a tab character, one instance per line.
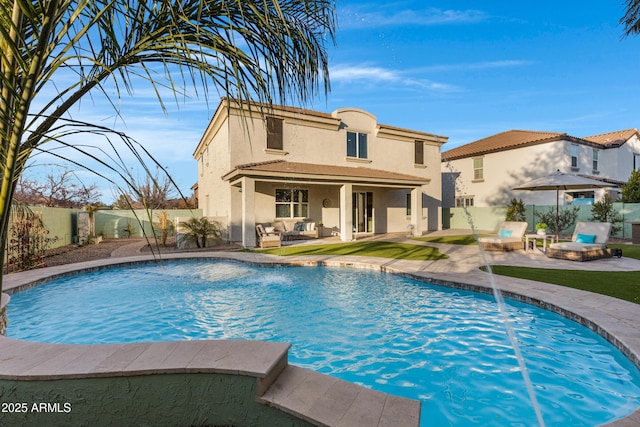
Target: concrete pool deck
312	397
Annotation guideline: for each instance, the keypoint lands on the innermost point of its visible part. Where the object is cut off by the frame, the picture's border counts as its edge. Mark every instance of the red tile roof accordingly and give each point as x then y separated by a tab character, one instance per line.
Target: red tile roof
504	141
613	139
520	138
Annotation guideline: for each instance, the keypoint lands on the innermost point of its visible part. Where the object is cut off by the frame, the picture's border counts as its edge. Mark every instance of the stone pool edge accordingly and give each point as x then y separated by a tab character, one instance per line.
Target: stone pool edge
614	319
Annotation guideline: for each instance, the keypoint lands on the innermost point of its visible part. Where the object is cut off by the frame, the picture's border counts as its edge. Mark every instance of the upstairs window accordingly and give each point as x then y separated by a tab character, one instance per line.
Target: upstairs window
478	168
574	156
596	154
419	153
357	145
636	161
274	133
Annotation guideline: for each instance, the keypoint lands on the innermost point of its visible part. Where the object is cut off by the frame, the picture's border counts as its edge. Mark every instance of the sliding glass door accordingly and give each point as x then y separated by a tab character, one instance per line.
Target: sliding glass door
362	212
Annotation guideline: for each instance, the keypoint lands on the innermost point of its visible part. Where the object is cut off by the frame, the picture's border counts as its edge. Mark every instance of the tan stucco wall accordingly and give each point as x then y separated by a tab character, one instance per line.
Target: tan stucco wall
318	139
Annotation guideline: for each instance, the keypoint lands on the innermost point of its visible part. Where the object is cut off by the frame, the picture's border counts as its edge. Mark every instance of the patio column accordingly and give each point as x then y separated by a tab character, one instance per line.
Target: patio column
346	212
248	212
416	211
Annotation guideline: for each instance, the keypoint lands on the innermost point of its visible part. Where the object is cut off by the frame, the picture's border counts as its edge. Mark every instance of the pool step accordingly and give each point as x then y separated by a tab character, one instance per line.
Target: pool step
326	401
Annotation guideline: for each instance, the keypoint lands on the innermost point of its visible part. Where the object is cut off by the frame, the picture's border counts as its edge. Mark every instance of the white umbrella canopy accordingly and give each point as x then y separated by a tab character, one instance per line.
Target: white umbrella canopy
561	181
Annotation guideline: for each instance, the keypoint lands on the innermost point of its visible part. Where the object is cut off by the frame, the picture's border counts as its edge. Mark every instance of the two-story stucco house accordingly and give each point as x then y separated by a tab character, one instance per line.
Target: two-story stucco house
488	169
343	169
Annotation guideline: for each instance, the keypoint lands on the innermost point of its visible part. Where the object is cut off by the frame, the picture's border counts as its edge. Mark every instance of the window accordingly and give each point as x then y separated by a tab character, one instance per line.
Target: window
292	203
274	133
408	204
596	153
574	156
636	161
464	201
478	172
357	145
419	153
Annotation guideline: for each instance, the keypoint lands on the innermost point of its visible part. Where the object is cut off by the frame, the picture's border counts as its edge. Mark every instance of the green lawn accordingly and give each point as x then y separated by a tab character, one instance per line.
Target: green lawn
619	284
376	249
465	239
623	285
629	251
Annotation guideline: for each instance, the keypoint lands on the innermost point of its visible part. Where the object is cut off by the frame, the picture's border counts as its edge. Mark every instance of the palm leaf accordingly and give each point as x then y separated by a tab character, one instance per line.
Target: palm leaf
53	53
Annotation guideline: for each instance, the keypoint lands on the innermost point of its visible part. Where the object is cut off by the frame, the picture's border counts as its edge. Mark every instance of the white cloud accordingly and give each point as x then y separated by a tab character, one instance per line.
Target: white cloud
485	65
384	15
372	74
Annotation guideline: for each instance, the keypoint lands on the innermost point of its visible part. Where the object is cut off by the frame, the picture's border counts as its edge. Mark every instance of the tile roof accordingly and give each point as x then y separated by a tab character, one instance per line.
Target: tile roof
520	138
613	139
502	142
319	172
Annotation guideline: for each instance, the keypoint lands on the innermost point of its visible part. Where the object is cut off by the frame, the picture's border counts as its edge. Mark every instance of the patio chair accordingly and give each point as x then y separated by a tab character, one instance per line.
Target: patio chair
268	237
589	242
509	237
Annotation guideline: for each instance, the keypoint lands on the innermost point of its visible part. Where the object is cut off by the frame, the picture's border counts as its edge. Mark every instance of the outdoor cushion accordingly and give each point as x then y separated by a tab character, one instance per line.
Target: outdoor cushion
505	233
509	237
299	226
575	246
586	238
273	229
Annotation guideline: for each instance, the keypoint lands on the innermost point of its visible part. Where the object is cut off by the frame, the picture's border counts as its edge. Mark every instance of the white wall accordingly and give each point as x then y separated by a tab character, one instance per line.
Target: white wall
506	170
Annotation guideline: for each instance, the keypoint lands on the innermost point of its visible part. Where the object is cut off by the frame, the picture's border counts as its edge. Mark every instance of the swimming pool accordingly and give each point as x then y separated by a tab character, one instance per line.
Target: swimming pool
445	347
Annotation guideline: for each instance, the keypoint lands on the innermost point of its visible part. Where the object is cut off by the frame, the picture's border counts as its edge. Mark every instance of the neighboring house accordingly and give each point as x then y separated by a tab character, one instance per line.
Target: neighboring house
343	169
488	169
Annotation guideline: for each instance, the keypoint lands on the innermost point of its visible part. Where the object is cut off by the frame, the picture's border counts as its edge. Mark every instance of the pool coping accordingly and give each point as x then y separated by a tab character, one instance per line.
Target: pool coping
614	319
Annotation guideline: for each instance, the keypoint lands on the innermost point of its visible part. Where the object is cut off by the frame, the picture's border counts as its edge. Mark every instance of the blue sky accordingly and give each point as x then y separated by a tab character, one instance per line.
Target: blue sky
463	69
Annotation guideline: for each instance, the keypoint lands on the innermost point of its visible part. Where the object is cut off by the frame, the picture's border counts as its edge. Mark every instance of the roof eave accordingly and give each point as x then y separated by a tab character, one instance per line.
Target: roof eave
322	178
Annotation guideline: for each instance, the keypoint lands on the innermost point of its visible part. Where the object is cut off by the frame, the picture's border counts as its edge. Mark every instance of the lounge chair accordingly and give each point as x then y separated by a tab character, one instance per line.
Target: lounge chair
268	237
589	242
509	237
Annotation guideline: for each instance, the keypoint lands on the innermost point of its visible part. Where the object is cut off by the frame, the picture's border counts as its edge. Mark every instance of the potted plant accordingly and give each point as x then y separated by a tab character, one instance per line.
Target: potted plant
541	228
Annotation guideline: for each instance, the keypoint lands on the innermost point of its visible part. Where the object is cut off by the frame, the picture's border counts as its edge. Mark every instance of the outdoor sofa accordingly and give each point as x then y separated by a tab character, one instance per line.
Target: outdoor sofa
589	242
509	237
291	230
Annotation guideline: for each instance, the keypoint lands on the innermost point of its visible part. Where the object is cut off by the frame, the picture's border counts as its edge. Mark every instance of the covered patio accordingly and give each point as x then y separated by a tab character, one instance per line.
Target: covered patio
347	201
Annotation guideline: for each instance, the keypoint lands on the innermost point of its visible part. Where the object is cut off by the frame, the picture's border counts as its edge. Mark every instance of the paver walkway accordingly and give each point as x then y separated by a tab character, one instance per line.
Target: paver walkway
131	249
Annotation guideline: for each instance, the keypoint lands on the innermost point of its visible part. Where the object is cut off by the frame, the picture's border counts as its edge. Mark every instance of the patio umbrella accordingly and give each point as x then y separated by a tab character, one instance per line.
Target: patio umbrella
561	181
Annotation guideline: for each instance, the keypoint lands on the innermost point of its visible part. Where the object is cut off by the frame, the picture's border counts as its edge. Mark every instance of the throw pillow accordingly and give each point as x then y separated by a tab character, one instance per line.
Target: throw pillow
505	233
586	238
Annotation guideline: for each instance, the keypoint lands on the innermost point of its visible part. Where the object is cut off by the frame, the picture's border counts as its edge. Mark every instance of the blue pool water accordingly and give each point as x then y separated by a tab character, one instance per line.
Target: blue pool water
446	347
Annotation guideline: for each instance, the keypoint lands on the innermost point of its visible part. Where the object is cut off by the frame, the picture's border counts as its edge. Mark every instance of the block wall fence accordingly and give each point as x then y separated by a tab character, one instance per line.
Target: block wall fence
490	218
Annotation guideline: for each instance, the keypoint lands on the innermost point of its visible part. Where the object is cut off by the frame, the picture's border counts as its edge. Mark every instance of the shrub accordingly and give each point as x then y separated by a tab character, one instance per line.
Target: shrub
631	190
603	211
516	211
200	229
566	218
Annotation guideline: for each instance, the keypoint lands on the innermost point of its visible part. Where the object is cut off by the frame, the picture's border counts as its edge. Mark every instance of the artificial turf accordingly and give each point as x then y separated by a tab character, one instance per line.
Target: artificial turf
374	249
623	285
465	239
619	284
